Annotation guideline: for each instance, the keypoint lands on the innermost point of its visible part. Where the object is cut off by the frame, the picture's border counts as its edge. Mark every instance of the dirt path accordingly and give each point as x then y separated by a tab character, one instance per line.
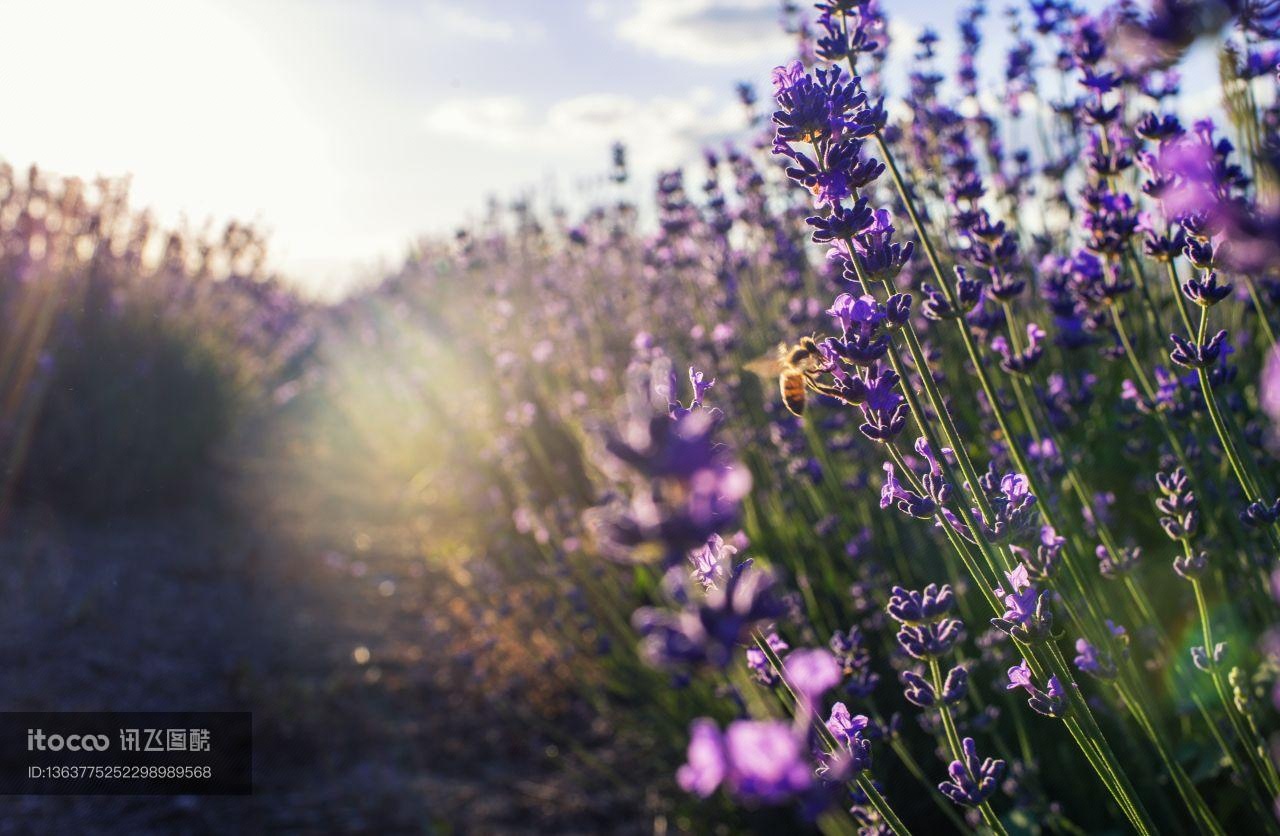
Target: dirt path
362	720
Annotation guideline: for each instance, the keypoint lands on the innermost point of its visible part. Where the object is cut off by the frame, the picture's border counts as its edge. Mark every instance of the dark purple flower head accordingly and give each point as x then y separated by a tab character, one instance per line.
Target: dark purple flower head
1158	128
1191	566
930	640
1114	563
1194	355
910	606
882	259
815	108
917	689
972	780
1260	514
1205	292
968	294
841	223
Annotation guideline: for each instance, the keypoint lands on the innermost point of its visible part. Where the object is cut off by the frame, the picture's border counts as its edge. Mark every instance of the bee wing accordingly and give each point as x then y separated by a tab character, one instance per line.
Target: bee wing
768	366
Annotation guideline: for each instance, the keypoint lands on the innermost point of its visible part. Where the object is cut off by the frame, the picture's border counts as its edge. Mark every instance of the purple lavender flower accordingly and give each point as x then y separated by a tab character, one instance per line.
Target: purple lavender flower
1259	514
707	632
712	562
882	259
1194	355
863	339
1027	616
973	780
1114	563
910	606
853	755
1020	362
758	661
845	726
1051	702
1179	512
1094	661
760	761
707	761
1191	566
812	672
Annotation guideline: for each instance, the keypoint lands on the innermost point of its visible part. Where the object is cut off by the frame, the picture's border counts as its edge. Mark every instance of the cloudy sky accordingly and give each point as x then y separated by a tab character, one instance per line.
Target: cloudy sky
349	128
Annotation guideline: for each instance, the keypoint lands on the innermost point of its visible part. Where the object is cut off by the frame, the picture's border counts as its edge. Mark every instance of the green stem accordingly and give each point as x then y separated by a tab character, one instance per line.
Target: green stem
957	750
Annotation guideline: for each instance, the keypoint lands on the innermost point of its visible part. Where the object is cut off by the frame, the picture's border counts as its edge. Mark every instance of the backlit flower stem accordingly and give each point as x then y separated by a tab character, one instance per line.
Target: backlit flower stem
1090	740
1186	787
1265	768
953	742
1244	475
1015	450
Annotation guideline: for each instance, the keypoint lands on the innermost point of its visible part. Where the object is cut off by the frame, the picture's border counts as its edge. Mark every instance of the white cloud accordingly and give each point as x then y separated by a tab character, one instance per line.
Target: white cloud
451	18
588	123
561	151
707	31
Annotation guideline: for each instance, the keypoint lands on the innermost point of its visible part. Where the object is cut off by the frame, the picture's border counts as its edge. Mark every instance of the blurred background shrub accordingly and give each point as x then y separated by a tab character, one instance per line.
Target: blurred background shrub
128	353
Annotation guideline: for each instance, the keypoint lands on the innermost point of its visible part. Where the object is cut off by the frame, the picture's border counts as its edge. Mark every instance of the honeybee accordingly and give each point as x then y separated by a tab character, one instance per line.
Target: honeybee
796	368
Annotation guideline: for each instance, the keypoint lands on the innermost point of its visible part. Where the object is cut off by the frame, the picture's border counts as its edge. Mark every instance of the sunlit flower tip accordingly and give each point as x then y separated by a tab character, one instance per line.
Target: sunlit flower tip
758	661
812	672
712	562
1018	578
1201	659
700	385
1027	615
785	77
